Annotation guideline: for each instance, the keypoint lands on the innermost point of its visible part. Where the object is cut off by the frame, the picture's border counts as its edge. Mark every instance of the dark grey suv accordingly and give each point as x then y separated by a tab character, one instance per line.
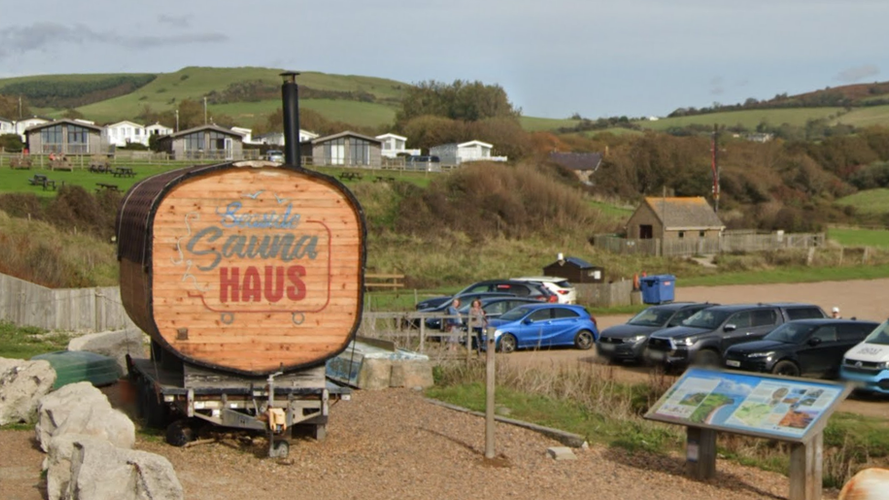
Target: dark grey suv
704	337
627	342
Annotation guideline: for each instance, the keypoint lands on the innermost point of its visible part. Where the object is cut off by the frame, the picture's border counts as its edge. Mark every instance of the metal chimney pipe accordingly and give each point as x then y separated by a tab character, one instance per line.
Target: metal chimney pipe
290	97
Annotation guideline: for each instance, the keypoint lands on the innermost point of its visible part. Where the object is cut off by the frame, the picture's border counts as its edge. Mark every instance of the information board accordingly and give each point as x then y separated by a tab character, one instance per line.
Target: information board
746	403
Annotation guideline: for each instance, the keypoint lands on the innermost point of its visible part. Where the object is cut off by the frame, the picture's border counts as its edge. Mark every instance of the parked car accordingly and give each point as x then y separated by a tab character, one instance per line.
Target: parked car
627	342
543	325
704	337
426	163
808	347
564	290
275	155
867	364
519	288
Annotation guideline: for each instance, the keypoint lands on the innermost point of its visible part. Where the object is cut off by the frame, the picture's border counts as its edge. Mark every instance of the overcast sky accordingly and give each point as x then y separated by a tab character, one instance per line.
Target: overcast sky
554	58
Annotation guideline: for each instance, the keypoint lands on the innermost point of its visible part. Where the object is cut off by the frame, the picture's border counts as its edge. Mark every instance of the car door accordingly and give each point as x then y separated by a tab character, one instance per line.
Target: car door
565	325
752	324
815	353
536	329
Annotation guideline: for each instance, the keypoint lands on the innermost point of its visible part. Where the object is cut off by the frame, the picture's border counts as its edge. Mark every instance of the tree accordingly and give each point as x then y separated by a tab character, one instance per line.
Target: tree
72	114
461	100
9	107
11	143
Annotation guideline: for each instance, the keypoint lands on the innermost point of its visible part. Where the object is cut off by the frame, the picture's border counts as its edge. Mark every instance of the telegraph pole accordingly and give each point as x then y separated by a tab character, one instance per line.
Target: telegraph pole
714	166
205	110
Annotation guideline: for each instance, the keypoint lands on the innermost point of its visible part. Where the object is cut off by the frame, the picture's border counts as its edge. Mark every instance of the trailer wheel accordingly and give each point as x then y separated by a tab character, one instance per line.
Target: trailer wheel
280	449
180	433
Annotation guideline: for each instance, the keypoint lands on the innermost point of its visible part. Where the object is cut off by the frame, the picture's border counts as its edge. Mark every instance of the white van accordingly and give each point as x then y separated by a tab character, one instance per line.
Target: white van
867	364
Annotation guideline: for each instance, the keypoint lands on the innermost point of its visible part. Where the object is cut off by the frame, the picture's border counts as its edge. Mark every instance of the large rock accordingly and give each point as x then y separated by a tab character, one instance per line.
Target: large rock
22	384
116	344
82	409
411	373
88	468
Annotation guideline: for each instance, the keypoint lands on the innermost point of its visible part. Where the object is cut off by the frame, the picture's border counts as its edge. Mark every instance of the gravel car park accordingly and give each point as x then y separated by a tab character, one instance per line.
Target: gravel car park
627	342
704	337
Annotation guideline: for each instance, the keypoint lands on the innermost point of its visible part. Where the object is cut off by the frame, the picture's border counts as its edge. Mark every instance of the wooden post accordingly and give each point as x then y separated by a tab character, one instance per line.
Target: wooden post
806	469
700	458
422	335
489	398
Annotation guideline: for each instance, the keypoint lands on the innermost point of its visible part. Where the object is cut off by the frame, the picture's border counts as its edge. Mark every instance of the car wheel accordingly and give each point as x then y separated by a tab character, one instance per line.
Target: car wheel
584	340
507	343
707	357
787	368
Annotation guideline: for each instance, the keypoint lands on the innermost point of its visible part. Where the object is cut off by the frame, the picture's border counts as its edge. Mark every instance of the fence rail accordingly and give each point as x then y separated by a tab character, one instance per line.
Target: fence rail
729	241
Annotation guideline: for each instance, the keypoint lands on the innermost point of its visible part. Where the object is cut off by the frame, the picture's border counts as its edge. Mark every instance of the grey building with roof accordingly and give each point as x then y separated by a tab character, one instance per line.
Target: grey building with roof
675	218
205	141
347	149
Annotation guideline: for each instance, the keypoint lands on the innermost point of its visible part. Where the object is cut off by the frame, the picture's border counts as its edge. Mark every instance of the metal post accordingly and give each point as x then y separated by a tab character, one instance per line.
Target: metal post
290	97
489	398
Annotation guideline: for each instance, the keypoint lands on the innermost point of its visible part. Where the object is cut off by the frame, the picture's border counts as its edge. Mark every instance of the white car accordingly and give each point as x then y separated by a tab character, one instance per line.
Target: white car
563	289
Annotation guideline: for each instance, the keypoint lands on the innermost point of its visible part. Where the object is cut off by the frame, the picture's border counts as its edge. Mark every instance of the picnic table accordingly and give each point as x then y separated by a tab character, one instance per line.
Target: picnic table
42	180
100	165
106	187
123	172
350	175
384	178
23	163
60	164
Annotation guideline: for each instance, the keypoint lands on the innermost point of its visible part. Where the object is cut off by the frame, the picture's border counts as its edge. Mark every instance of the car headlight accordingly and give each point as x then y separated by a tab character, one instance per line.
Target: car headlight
883	366
688	341
761	354
636	339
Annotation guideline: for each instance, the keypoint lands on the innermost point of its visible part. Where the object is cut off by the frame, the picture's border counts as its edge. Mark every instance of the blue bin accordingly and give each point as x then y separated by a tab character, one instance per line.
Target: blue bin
658	289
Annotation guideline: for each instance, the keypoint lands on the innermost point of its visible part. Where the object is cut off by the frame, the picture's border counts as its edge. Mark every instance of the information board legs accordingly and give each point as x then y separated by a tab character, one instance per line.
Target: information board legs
806	468
700	457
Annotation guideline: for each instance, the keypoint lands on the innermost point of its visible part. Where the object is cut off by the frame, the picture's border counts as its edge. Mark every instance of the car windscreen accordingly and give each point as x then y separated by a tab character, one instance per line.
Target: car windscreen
515	314
706	318
653	316
880	335
791	333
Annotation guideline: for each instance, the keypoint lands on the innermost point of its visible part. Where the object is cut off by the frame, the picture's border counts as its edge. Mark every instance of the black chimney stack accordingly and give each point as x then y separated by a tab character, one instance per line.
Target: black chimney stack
290	96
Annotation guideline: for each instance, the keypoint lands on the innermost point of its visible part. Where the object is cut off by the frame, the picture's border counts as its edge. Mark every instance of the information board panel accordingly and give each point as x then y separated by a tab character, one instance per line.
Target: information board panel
789	409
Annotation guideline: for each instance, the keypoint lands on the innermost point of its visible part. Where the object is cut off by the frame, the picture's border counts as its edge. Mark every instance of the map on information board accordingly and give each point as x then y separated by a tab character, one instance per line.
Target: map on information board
747	403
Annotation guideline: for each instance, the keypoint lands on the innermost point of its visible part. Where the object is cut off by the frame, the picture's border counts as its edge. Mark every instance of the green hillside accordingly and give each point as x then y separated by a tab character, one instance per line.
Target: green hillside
195	82
749	118
871	201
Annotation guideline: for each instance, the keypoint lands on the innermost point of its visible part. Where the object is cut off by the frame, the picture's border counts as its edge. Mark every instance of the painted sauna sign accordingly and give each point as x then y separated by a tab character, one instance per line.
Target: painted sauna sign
254	267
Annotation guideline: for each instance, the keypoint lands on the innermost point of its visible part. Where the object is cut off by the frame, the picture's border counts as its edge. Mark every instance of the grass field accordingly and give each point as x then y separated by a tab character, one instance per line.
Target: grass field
533	124
747	118
857	237
872	201
195	82
863	117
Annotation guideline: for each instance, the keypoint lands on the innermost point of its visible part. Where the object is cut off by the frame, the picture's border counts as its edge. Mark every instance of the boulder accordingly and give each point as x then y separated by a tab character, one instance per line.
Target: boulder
869	484
82	409
411	373
115	344
88	468
22	384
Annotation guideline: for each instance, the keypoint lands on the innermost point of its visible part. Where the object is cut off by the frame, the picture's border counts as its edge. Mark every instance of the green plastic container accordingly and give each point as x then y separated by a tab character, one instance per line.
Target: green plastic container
79	366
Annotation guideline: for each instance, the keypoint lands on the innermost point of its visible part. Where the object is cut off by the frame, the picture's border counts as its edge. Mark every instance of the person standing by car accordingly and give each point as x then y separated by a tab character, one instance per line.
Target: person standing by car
477	323
835	313
454	323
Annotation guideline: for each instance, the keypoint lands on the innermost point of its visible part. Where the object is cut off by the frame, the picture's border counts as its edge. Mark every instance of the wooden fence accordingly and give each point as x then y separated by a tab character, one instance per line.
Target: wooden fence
729	241
67	309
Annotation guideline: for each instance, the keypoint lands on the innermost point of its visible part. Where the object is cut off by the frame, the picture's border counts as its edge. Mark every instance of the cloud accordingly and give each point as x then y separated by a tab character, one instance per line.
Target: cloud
858	73
175	21
41	36
717	86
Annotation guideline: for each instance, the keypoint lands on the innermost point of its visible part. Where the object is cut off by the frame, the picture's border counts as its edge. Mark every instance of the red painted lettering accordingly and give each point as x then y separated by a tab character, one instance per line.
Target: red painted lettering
298	290
252	285
227	283
273	286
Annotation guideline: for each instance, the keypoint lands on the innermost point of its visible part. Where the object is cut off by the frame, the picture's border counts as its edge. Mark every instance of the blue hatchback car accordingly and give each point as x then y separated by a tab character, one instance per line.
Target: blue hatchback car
543	325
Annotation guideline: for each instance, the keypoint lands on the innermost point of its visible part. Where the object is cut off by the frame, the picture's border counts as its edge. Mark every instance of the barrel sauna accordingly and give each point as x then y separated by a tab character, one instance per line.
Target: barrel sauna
248	268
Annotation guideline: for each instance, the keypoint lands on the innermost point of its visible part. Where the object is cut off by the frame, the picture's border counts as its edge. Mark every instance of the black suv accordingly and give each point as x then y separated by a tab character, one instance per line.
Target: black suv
810	347
626	342
704	337
529	289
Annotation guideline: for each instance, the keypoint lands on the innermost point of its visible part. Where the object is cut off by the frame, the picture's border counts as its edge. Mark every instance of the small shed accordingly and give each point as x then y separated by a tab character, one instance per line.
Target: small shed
674	219
575	270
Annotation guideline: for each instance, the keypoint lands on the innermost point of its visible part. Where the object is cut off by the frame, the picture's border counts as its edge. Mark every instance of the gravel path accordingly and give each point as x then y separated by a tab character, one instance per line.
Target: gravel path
394	444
